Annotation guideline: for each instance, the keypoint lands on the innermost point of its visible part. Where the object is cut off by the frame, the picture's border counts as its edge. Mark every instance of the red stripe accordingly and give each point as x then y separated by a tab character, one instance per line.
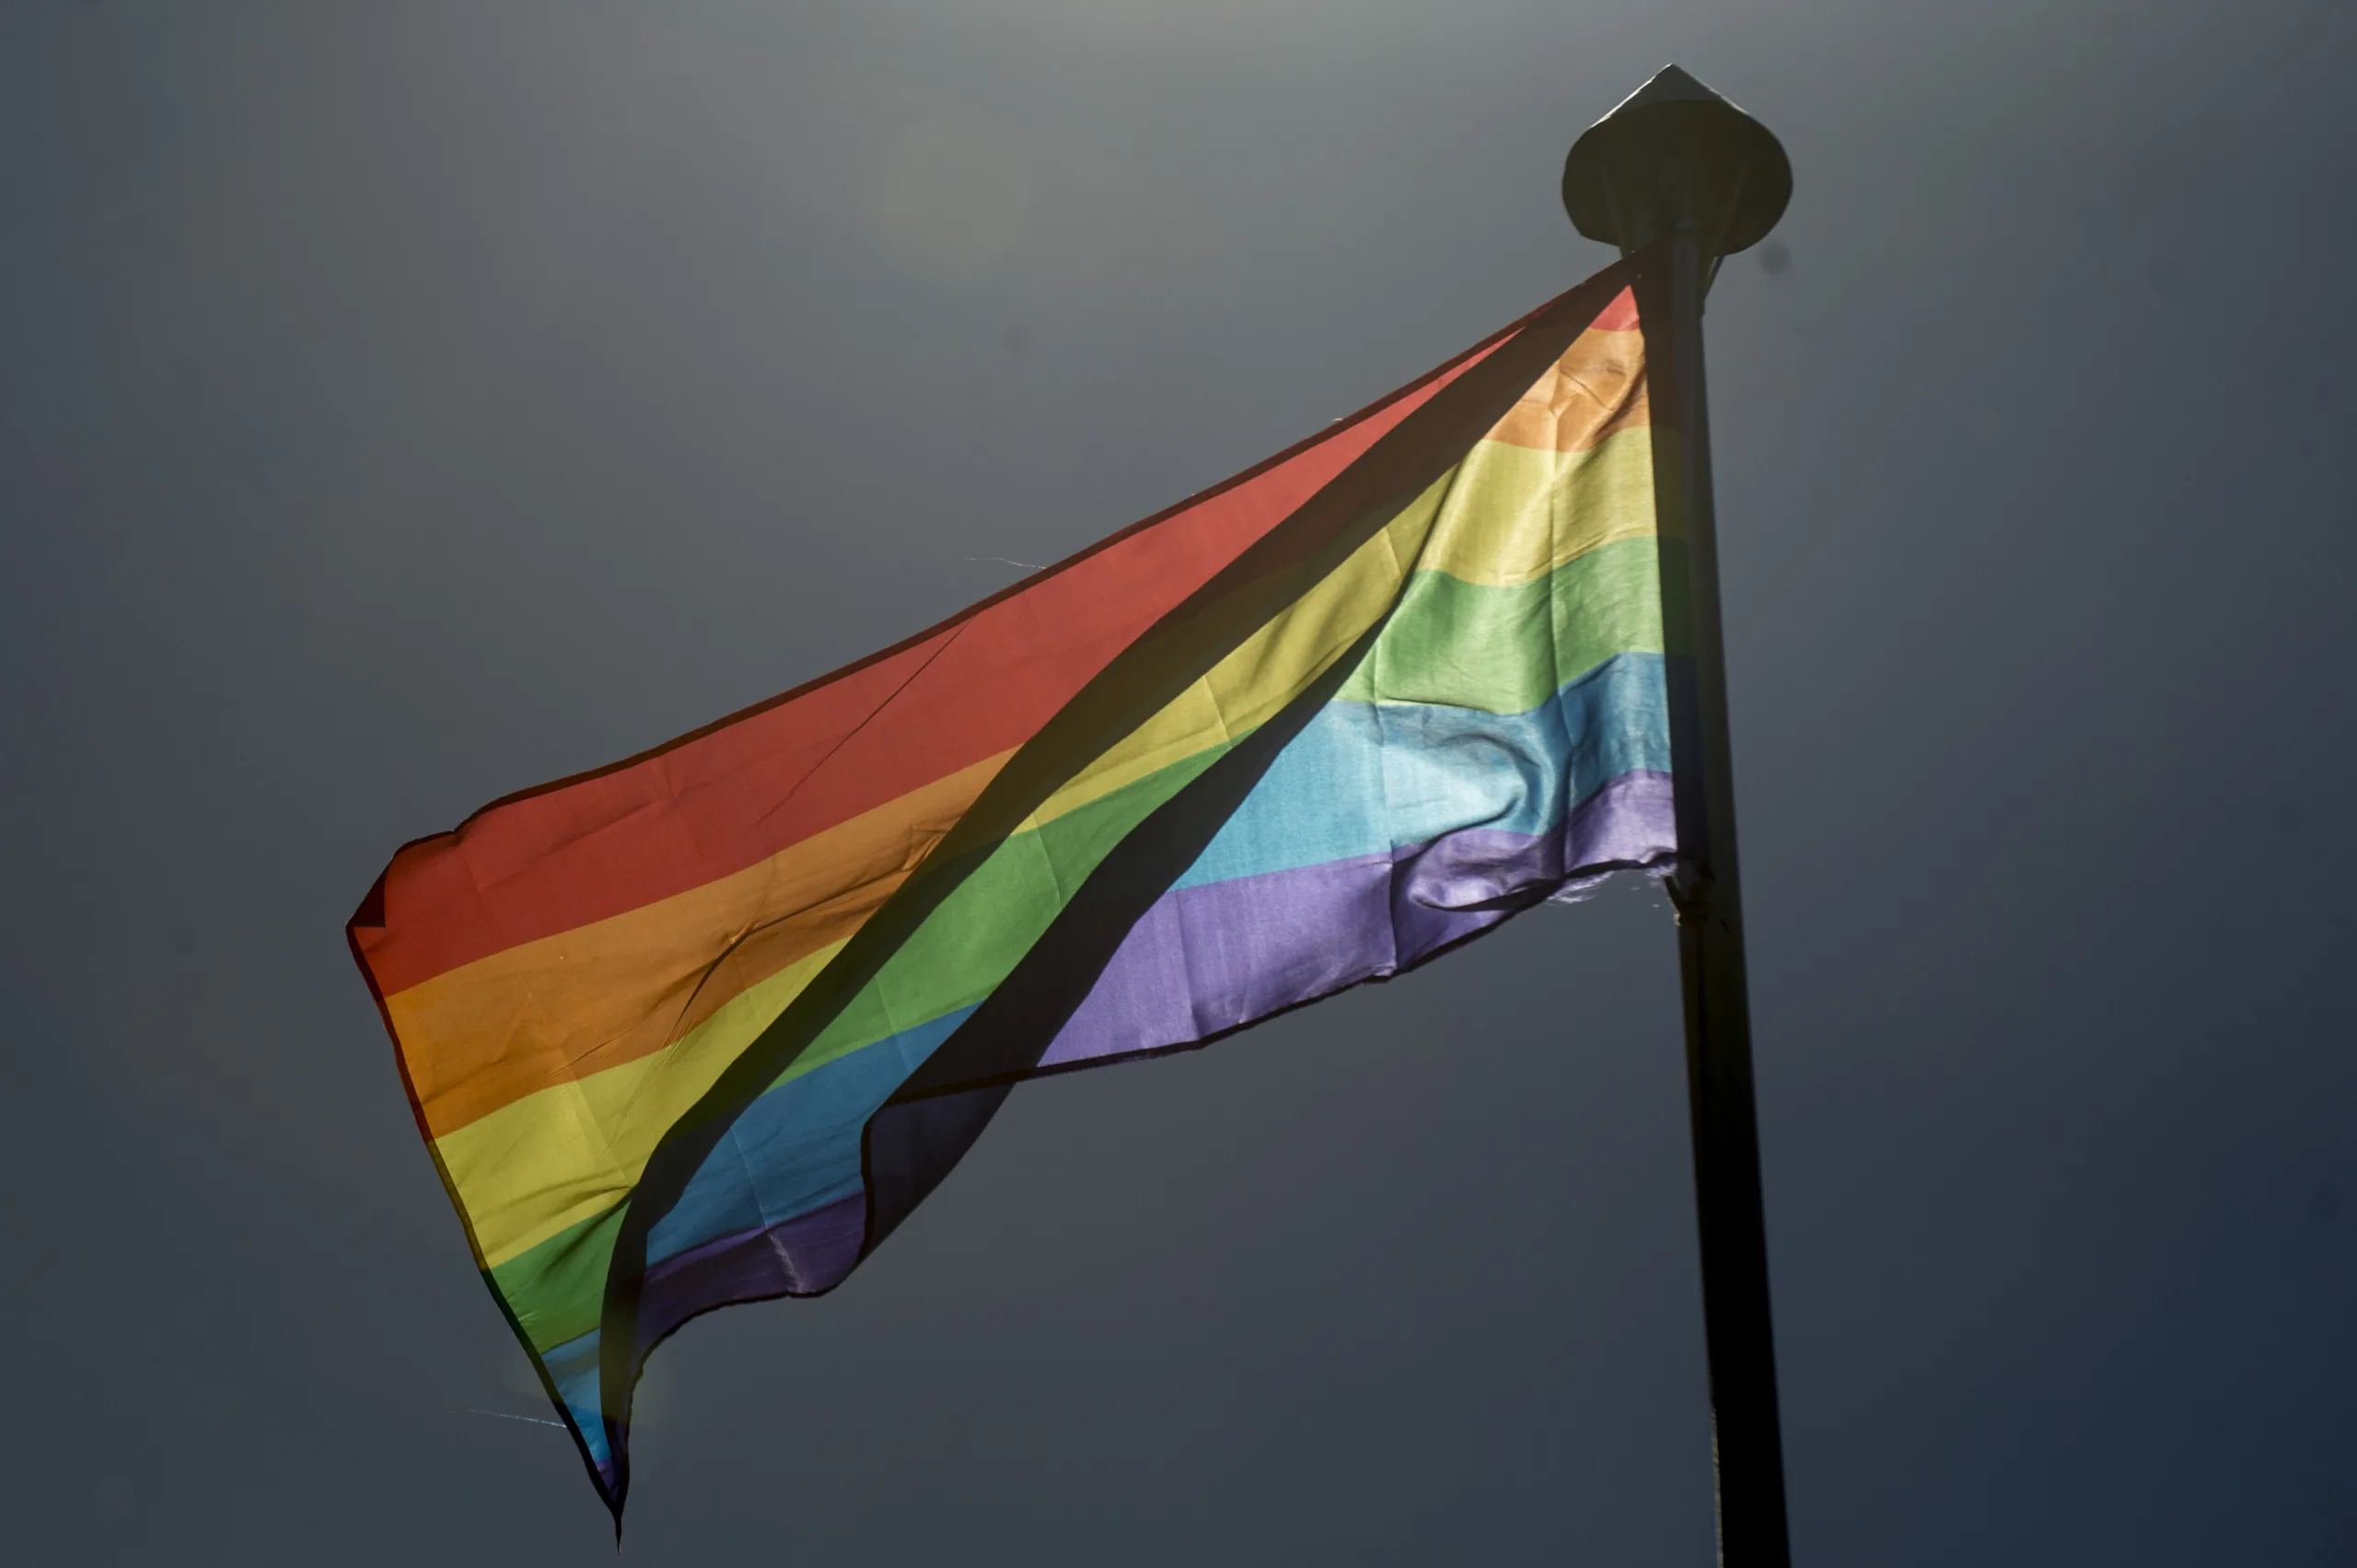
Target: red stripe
1620	316
738	792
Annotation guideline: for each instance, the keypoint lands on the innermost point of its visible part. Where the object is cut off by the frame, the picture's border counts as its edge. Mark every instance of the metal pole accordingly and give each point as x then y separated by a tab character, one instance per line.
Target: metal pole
1677	177
1746	1443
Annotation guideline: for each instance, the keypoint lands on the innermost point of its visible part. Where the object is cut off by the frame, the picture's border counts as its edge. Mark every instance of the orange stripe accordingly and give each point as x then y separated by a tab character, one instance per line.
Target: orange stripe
1595	391
490	1032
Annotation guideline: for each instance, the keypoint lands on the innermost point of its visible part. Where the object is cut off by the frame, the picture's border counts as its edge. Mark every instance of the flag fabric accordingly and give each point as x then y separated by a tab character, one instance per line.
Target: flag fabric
703	1027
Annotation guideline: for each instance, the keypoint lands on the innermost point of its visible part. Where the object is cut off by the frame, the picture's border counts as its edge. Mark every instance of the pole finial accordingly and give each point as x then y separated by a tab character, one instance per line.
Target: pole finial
1674	152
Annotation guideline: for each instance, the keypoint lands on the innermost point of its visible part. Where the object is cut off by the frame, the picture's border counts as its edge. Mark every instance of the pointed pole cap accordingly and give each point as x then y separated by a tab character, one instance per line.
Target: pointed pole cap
1675	152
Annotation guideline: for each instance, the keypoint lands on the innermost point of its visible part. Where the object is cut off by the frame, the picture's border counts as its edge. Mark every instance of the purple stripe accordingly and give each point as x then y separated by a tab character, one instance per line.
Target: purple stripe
802	1256
1210	959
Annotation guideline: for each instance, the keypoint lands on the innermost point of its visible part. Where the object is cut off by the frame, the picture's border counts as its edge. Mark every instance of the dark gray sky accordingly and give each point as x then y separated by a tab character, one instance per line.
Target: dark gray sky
401	404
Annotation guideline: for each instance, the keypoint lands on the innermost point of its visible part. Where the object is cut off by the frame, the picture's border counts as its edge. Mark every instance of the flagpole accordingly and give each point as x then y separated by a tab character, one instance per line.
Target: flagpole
1707	889
1678	178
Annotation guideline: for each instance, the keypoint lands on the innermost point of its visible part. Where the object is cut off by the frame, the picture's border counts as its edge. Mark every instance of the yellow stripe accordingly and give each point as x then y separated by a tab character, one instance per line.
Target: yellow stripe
530	1169
1515	514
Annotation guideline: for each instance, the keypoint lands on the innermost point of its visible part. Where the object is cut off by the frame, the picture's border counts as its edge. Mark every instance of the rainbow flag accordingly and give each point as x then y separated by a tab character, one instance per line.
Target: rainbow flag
703	1027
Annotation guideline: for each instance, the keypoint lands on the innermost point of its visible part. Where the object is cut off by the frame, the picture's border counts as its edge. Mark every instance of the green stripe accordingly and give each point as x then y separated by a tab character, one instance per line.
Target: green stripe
1505	650
956	958
557	1289
990	919
1501	650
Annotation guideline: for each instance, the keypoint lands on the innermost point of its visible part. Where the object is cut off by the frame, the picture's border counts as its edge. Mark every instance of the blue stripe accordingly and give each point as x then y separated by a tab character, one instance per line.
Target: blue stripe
797	1148
1361	779
1367	778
